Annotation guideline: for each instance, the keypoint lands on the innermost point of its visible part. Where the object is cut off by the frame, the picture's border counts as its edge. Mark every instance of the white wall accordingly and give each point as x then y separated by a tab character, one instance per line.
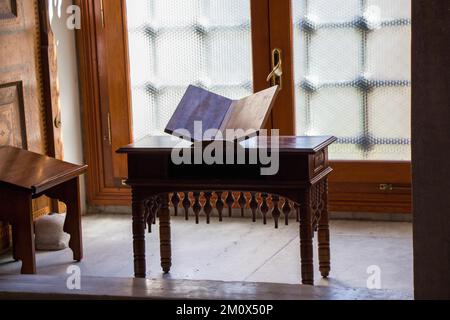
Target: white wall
69	88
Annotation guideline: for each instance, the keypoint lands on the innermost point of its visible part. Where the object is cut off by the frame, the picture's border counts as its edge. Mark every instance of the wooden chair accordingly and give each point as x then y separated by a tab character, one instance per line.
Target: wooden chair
25	176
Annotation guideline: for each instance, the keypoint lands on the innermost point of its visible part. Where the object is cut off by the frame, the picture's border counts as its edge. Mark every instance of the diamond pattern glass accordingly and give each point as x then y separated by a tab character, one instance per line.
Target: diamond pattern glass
175	43
352	73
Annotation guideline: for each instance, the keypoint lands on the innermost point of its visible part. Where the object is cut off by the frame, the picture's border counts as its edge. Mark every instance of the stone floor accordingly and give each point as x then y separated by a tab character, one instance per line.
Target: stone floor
239	250
41	287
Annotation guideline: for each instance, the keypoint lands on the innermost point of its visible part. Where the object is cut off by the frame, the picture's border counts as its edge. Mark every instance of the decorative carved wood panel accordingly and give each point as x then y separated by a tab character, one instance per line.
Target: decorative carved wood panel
12	116
8	9
22	111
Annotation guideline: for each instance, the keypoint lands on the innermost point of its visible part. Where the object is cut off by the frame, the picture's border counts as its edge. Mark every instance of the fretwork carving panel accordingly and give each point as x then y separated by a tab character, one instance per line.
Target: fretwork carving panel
219	205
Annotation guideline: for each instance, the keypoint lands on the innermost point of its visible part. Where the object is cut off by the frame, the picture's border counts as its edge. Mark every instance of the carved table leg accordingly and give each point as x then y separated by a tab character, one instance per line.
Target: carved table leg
24	228
324	234
306	239
164	234
138	234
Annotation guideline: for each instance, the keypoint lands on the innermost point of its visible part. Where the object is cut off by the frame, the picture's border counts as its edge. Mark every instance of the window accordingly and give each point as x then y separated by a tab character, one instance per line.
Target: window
206	43
346	72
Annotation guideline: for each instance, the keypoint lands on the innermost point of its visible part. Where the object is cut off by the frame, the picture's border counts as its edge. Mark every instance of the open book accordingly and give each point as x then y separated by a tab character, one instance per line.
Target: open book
200	111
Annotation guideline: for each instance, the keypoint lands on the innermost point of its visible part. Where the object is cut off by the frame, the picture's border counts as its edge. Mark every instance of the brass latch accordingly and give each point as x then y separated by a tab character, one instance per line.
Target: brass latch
391	187
275	76
386	187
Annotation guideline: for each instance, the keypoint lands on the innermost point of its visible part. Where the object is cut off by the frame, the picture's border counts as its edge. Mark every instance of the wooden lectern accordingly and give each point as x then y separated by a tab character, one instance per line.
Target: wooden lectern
302	178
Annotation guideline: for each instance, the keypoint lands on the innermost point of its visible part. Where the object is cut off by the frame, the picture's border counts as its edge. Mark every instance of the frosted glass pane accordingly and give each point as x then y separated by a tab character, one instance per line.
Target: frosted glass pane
173	12
390	152
298	10
138	13
236	92
177	57
231	12
390	113
352	62
175	43
346	151
229	57
300	50
392	9
141	105
335	112
333	10
140	66
334	54
302	113
166	105
388	53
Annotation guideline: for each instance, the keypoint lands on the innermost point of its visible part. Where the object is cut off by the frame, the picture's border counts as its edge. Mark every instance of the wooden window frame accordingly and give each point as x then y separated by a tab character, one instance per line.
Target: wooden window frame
354	186
101	186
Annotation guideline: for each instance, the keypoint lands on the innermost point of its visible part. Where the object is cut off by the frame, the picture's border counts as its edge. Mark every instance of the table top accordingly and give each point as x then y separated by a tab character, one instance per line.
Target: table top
32	171
312	144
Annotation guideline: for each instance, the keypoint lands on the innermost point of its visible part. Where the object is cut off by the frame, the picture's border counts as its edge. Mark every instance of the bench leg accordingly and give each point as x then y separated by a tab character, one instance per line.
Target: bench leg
306	240
14	243
72	224
24	238
165	234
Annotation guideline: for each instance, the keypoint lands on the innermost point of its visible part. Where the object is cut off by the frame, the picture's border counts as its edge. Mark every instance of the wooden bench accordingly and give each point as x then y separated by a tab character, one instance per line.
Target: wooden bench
25	176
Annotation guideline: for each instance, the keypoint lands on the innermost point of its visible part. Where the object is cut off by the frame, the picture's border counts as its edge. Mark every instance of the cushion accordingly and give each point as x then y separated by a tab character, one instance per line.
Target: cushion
49	234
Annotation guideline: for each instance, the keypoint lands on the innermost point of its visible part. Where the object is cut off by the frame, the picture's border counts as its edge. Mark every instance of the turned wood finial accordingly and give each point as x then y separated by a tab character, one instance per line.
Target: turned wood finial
242	203
230	202
254	205
186	205
264	208
220	205
208	207
176	202
197	207
297	211
276	213
148	205
287	210
156	203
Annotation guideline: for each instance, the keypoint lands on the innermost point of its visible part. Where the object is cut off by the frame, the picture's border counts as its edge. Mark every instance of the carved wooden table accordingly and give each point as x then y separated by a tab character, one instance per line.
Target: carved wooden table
25	176
302	179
